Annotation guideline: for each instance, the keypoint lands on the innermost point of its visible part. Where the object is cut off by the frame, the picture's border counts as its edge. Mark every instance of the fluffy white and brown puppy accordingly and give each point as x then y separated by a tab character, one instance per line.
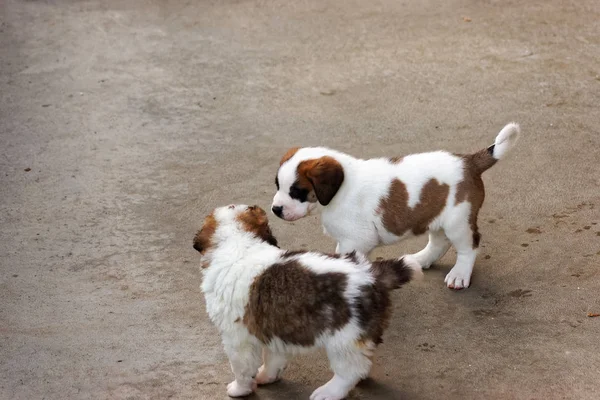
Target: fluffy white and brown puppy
379	201
278	303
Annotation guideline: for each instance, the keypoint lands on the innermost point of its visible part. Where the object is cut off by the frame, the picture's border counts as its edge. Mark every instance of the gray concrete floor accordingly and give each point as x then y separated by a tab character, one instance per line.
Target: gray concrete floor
124	122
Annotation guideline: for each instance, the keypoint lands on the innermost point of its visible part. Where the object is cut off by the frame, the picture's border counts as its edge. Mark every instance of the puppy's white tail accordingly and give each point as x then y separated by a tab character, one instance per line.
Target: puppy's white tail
506	139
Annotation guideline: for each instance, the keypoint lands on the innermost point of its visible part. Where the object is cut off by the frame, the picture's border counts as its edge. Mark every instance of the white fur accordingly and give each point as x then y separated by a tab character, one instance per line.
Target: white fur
506	140
352	219
233	265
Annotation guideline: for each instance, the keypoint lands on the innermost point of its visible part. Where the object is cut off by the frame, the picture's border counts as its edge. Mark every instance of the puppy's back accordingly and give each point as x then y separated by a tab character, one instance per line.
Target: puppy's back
291	302
308	297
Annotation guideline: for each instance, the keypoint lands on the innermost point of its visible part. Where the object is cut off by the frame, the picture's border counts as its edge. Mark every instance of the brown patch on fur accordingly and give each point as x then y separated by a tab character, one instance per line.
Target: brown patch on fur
374	306
396	160
324	175
391	273
373	312
399	218
255	220
292	303
471	189
481	160
203	239
288	154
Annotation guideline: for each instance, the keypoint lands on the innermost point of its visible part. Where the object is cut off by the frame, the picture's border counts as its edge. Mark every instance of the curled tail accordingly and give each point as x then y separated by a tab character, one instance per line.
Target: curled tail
395	273
506	139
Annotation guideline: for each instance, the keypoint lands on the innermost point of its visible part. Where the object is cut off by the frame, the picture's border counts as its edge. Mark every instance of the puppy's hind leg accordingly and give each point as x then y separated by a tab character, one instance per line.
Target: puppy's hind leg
349	365
465	240
245	360
274	363
437	246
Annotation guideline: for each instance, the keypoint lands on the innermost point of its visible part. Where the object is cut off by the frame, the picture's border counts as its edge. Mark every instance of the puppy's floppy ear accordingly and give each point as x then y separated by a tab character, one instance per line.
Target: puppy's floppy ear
199	241
268	237
258	215
203	238
325	174
255	220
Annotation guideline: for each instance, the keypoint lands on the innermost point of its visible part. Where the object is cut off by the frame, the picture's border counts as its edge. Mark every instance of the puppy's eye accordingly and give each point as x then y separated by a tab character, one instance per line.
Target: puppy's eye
231	207
299	194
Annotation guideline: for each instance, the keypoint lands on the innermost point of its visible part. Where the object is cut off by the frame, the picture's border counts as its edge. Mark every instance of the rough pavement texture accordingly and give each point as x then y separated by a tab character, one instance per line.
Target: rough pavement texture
137	118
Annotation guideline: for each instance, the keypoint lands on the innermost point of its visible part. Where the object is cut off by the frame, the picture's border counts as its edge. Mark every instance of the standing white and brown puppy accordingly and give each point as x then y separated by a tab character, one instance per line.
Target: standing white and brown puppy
263	299
383	200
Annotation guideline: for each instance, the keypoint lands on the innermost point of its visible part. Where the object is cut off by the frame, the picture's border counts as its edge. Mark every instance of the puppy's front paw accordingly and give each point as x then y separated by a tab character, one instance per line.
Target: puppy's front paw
234	389
457	279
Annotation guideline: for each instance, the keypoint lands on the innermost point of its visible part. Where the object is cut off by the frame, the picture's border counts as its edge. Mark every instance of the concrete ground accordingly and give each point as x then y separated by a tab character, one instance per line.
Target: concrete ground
123	123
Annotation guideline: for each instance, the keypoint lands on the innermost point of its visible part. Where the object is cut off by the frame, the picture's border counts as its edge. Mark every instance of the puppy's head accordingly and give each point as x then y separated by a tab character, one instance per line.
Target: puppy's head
228	221
303	181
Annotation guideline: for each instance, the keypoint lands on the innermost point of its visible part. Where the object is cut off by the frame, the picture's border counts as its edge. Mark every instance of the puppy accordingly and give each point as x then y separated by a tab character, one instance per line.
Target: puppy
380	201
281	302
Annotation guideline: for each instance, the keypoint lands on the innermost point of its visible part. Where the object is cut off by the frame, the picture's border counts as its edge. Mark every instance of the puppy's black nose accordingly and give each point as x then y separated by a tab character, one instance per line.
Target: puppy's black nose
278	210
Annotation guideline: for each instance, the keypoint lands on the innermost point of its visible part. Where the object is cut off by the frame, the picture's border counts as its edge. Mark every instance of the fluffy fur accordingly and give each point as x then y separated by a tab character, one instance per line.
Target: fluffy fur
380	201
266	300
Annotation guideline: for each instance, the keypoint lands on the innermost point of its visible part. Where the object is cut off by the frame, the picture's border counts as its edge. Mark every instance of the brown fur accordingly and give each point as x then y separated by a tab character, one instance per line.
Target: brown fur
471	188
303	183
398	218
292	303
391	273
324	175
288	154
203	239
396	160
255	220
373	312
481	160
374	309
